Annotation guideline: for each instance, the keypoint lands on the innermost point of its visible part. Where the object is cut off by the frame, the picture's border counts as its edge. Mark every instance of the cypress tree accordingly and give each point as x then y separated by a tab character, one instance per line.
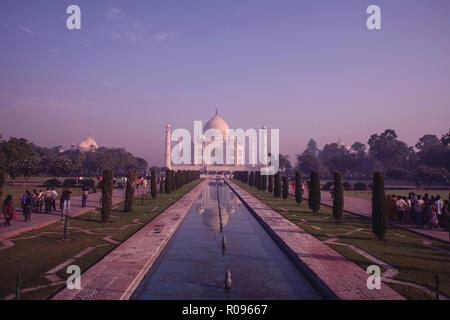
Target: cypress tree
264	182
129	192
277	186
168	182
173	184
2	182
270	177
314	192
153	184
258	179
285	188
298	188
177	180
379	209
338	197
251	181
161	184
107	190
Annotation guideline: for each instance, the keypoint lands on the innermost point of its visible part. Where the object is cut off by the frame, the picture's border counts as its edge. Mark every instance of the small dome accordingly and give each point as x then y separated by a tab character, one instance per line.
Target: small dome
88	144
217	123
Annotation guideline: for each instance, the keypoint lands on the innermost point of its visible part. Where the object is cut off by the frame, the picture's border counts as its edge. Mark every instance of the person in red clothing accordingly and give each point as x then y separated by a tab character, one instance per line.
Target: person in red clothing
8	209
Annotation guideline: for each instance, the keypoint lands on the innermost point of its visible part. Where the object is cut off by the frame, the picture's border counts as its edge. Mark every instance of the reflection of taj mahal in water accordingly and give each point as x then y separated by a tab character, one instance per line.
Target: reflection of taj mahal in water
207	206
238	157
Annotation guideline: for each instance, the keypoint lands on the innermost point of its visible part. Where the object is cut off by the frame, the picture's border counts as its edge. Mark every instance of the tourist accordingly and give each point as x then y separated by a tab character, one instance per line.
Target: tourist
418	212
85	191
393	208
445	222
35	195
431	212
48	195
401	208
54	197
8	210
28	206
439	205
40	201
65	199
137	183
332	191
408	210
144	183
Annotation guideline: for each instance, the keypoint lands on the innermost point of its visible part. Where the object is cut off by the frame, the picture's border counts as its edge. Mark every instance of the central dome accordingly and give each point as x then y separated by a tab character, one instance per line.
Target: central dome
217	123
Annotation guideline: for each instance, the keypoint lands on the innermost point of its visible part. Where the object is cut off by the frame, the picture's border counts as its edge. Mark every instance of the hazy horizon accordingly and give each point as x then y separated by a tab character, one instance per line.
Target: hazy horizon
310	68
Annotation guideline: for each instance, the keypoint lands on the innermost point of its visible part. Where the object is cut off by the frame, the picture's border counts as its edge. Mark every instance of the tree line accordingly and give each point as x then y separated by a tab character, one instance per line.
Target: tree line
427	162
21	158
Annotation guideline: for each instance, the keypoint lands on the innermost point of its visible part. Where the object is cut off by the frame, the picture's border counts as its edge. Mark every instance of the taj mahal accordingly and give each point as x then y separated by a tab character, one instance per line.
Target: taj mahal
237	155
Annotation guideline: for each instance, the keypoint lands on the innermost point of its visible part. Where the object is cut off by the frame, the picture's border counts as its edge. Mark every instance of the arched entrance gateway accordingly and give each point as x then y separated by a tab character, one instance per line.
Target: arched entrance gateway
218	149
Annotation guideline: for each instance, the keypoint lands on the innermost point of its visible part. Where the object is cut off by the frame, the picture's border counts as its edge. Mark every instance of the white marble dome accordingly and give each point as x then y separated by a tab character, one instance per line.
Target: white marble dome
217	123
87	144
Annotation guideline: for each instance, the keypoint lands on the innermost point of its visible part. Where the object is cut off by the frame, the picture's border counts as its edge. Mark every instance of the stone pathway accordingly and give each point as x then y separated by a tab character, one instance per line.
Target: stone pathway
363	208
39	220
118	274
328	268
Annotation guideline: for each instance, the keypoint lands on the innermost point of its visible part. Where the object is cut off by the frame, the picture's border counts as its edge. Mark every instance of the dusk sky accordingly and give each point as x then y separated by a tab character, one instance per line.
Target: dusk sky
310	68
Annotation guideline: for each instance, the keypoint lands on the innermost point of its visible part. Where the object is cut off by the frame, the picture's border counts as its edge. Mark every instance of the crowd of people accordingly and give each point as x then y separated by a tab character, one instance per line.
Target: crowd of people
424	211
34	202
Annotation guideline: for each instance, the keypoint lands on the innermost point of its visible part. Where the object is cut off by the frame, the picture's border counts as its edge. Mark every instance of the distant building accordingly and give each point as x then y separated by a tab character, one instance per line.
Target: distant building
87	145
342	144
238	156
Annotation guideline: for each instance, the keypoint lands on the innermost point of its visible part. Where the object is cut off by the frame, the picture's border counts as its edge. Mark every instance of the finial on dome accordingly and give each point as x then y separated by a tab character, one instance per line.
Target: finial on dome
216	111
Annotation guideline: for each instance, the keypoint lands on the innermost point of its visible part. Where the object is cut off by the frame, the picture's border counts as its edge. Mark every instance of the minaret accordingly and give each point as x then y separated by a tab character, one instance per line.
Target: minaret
167	153
264	142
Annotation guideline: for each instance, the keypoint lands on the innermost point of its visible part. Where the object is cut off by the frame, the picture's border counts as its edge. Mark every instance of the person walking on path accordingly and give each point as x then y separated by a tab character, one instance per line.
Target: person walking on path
439	206
431	212
54	197
8	209
48	195
401	208
65	198
84	196
28	206
418	211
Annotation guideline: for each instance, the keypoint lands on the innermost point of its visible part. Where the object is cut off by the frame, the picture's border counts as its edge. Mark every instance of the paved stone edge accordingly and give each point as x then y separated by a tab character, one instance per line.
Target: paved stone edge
118	274
322	275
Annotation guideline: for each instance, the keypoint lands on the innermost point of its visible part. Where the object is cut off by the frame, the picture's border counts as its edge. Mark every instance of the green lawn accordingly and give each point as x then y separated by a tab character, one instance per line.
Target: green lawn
367	195
36	179
403	249
39	251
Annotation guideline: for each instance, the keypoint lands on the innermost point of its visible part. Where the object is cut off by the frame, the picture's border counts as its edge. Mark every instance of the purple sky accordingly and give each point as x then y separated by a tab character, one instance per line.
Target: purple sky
309	68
